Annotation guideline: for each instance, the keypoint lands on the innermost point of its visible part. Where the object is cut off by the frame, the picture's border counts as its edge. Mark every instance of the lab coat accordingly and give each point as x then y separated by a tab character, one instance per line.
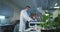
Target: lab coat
23	18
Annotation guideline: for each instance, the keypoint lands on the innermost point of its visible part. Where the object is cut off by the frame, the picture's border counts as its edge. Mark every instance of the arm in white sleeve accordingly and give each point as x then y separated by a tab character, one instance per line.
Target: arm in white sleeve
27	17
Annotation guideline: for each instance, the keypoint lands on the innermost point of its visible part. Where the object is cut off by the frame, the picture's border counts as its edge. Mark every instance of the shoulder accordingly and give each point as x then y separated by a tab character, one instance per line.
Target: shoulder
22	10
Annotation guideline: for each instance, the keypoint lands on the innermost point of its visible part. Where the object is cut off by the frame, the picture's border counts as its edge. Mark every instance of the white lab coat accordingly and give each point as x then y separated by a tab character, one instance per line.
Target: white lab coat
23	18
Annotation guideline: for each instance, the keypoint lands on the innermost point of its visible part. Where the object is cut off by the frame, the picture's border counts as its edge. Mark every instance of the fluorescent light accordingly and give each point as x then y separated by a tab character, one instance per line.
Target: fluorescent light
2	17
56	4
57	7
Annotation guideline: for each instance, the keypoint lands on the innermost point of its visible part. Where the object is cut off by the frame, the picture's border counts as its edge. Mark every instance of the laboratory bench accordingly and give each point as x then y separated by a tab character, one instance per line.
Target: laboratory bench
8	27
52	30
41	30
36	23
15	27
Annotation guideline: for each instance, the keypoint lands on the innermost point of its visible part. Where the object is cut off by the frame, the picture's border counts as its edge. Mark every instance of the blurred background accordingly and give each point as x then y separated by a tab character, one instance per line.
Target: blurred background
10	12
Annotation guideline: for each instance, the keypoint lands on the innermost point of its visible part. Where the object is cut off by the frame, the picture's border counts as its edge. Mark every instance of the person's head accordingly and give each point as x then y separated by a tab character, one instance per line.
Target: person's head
27	8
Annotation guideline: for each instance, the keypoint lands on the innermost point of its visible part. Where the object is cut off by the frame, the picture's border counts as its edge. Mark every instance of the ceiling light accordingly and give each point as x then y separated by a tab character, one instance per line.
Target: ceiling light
2	17
56	4
57	7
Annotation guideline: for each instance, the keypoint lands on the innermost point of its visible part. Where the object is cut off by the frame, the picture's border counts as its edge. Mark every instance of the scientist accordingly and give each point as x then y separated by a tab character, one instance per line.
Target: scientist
23	18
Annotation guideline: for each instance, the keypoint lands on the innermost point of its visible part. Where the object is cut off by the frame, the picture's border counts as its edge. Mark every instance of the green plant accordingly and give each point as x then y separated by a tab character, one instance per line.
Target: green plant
57	22
45	18
46	24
